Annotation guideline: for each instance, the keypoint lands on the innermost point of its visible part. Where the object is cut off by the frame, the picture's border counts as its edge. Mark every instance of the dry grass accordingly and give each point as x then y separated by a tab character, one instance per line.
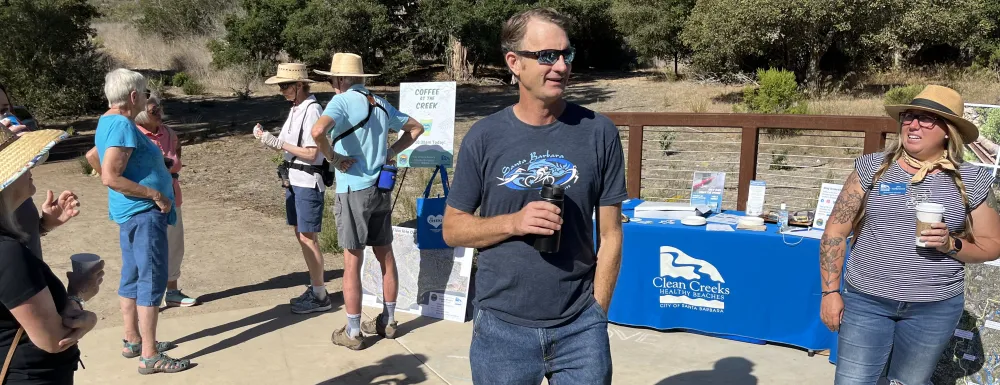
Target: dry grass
130	49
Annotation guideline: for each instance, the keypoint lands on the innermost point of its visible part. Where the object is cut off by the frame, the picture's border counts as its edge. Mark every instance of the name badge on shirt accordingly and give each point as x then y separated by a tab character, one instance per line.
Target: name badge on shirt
892	188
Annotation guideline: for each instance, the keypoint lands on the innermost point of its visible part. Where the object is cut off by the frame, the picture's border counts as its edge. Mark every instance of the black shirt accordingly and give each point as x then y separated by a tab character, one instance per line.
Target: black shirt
28	217
22	275
501	167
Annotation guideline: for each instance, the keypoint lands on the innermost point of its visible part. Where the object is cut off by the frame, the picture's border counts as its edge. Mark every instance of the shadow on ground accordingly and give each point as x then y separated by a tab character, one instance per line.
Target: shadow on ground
271	320
279	282
399	369
727	371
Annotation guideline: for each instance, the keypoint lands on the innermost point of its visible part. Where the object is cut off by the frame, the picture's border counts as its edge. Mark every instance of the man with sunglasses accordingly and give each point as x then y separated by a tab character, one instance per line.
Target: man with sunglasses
540	314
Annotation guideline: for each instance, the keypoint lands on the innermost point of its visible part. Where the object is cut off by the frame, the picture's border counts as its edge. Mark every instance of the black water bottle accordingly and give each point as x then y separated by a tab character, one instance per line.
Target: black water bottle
553	195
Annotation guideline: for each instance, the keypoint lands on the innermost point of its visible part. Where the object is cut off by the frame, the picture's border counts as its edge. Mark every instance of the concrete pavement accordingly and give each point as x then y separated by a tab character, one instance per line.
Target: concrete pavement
269	345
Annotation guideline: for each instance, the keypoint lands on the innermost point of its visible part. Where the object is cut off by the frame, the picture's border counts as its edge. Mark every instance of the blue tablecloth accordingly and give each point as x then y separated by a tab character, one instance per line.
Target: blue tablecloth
748	284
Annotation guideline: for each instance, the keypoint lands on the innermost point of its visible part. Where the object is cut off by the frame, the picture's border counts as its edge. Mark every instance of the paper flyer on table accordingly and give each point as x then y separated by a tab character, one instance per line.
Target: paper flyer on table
824	206
755	203
707	189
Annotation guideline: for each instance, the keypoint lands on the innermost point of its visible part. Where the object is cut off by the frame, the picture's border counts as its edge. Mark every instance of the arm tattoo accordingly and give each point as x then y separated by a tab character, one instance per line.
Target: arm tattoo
991	201
831	255
848	203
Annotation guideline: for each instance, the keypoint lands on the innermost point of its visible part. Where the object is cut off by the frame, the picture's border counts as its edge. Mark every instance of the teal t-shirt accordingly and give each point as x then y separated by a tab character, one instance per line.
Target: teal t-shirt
145	166
368	143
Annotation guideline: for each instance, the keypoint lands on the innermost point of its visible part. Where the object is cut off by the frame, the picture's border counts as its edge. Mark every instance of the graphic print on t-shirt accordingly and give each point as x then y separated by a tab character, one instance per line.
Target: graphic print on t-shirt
538	169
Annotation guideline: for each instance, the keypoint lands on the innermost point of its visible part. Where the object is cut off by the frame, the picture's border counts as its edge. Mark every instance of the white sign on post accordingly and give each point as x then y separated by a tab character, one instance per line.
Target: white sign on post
433	105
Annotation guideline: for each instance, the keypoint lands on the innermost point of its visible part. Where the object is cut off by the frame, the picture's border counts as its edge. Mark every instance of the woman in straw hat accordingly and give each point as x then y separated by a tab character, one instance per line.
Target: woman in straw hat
56	211
904	289
35	302
302	178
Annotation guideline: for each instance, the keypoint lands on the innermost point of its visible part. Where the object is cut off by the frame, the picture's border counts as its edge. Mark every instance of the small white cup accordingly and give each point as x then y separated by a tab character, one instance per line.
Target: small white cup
83	262
927	214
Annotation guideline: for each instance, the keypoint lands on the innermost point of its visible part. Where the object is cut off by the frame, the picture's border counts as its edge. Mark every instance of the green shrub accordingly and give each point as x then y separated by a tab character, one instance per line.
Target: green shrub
778	93
177	18
991	125
180	79
49	62
902	95
192	87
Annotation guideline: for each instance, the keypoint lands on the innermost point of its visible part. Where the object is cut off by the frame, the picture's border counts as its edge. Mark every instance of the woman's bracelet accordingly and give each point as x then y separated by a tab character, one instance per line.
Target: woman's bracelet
830	292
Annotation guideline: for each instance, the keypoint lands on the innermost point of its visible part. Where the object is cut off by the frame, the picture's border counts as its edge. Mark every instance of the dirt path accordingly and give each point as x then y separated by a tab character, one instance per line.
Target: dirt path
235	258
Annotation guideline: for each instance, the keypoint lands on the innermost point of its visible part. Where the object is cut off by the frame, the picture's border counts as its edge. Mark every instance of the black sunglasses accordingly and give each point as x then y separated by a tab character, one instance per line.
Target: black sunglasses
550	56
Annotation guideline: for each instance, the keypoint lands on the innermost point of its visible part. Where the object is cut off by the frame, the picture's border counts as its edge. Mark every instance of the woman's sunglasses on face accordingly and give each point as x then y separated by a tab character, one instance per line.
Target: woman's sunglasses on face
925	121
550	56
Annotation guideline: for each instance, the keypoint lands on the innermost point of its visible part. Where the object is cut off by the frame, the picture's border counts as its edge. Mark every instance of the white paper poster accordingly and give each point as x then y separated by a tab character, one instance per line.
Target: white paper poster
433	282
707	189
433	105
827	197
755	203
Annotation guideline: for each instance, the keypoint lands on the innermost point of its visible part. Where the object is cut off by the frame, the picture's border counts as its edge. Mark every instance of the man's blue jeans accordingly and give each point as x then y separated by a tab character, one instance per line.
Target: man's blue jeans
913	333
577	353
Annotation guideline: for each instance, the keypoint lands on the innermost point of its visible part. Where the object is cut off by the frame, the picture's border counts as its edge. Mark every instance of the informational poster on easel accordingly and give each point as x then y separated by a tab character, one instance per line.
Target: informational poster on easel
433	105
432	282
707	189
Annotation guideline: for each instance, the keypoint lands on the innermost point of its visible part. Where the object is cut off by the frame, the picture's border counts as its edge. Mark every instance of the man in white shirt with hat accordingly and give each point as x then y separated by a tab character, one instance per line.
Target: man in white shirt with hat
358	123
301	175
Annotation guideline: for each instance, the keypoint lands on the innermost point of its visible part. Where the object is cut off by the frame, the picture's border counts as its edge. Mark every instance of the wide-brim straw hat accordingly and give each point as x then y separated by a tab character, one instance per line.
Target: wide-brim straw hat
346	65
944	102
18	154
290	73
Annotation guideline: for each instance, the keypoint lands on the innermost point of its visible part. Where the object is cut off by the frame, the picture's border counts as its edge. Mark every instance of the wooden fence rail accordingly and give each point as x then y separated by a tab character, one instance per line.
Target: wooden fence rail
874	128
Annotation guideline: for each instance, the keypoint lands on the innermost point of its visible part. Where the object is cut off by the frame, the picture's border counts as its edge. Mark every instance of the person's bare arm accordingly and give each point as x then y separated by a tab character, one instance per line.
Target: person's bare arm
986	231
319	130
833	245
609	254
306	154
462	229
42	322
115	160
410	132
94	160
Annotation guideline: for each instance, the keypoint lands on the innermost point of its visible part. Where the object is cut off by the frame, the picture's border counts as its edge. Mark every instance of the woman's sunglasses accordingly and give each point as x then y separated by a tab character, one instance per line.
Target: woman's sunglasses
550	56
925	121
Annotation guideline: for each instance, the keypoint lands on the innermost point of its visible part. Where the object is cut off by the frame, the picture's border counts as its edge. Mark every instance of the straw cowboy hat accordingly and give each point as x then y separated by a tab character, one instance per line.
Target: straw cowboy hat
290	73
18	154
944	102
347	65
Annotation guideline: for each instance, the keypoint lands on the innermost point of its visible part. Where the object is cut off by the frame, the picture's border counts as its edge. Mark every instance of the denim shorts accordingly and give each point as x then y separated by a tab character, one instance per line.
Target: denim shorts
577	353
304	209
145	256
900	341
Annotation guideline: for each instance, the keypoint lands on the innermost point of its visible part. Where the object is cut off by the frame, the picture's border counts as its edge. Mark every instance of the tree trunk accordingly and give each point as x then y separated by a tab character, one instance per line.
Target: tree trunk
458	63
676	73
813	72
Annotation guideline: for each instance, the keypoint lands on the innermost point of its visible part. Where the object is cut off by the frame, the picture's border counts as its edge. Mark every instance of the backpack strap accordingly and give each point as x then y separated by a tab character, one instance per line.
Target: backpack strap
372	105
302	127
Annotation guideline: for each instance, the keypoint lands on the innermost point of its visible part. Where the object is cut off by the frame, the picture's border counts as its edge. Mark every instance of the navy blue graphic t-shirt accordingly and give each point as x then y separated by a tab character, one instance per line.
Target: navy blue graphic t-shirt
502	166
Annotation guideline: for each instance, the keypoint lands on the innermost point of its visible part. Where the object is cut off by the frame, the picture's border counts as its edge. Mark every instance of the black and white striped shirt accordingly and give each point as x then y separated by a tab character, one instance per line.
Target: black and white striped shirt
885	261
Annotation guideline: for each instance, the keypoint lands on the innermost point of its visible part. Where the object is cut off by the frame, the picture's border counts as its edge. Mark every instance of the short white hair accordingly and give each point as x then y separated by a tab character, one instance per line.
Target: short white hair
119	84
143	118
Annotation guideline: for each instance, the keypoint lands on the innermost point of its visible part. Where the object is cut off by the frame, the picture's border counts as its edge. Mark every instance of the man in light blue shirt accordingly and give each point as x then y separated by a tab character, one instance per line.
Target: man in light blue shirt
362	210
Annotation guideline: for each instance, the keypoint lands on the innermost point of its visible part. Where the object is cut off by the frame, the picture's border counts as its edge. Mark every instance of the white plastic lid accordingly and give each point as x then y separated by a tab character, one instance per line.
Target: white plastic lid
782	206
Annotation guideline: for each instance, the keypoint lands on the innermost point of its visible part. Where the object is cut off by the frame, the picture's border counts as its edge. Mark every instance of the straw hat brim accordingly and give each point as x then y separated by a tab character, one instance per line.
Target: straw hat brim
967	129
342	74
276	80
26	152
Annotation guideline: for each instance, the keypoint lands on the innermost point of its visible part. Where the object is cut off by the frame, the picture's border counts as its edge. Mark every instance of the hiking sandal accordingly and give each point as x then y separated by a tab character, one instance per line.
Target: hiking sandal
135	350
161	363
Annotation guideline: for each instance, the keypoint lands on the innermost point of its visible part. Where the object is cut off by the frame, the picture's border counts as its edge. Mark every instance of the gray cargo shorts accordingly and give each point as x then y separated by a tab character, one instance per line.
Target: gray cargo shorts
364	218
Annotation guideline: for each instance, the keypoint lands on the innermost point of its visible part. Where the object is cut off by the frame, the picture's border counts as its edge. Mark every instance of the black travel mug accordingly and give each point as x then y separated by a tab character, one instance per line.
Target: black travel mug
553	195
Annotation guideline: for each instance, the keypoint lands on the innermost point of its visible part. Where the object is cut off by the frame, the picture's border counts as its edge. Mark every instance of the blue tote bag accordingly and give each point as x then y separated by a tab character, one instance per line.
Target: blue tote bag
430	214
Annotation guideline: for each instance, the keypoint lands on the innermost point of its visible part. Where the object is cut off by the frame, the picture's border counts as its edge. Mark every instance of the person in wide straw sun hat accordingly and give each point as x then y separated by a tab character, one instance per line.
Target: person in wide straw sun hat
897	260
357	122
31	293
